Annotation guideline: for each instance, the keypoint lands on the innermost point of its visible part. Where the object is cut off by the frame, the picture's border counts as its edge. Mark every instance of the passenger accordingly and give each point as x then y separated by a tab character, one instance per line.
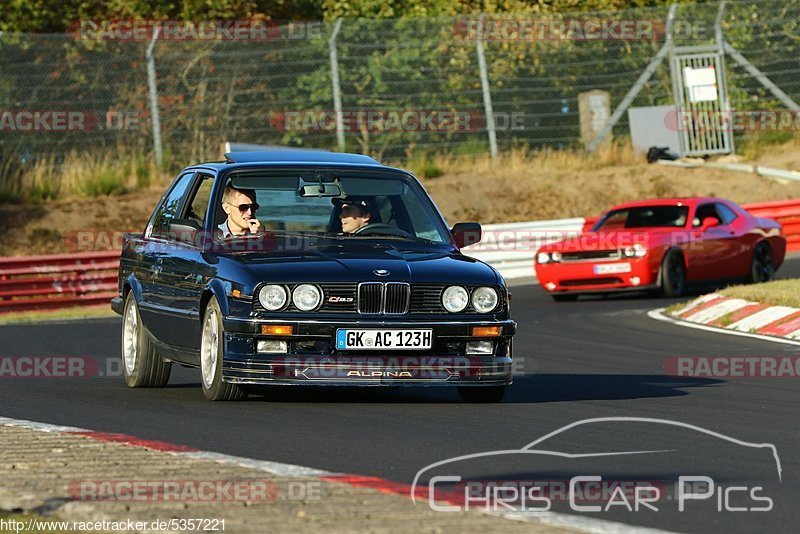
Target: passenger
241	207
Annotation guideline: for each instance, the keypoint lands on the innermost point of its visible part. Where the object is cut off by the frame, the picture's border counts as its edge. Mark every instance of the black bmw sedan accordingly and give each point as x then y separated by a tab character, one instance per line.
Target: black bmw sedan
310	268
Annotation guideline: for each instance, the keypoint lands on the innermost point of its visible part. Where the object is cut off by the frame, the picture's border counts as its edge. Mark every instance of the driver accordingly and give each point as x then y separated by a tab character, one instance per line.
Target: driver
354	215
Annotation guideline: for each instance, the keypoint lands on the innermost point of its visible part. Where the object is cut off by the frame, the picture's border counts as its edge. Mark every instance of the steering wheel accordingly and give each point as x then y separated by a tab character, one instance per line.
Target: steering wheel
381	228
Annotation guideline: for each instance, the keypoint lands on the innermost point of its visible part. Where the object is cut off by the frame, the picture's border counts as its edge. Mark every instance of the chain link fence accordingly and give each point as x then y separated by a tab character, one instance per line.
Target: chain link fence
406	88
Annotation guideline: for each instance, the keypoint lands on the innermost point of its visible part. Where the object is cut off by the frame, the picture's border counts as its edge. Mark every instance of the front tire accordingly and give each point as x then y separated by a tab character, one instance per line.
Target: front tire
482	394
141	363
762	269
673	274
211	353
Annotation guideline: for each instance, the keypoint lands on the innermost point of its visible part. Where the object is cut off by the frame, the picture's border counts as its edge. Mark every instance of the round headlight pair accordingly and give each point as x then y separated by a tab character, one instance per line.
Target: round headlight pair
456	298
547	257
636	251
305	297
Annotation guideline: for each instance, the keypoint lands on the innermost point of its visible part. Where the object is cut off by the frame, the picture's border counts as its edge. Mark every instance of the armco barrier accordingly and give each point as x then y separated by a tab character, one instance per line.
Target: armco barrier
510	247
57	281
786	212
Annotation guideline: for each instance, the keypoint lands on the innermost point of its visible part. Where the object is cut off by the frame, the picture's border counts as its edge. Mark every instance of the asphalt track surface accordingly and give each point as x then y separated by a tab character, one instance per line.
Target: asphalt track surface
587	359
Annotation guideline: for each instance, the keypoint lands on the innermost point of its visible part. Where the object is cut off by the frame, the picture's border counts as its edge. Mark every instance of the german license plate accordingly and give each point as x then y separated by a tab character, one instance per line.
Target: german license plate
612	268
351	339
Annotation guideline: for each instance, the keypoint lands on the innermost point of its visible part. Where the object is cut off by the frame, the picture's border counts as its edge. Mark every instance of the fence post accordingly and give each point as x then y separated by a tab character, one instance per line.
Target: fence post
627	100
337	89
151	83
487	95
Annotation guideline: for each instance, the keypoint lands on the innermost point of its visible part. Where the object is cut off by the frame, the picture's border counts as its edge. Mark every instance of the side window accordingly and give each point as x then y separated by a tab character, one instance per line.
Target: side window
169	207
704	211
727	214
199	205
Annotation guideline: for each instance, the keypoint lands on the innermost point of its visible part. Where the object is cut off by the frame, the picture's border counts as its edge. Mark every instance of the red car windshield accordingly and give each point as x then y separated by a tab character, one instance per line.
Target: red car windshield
644	217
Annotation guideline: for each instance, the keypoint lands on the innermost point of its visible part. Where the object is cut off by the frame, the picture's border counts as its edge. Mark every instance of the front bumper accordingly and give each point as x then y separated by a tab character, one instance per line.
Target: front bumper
582	276
312	358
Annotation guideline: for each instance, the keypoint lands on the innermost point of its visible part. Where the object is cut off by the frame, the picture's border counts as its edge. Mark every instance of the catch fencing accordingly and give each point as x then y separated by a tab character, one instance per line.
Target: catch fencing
64	280
396	89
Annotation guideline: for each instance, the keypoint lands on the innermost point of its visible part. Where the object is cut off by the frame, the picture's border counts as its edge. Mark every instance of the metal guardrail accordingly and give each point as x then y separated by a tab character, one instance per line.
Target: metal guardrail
57	281
787	213
63	280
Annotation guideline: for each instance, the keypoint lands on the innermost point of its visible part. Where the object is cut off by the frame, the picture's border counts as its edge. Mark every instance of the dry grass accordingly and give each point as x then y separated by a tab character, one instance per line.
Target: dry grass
775	293
67	314
523	185
80	175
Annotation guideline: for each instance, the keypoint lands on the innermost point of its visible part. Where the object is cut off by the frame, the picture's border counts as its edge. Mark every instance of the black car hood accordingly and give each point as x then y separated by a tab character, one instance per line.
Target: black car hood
359	262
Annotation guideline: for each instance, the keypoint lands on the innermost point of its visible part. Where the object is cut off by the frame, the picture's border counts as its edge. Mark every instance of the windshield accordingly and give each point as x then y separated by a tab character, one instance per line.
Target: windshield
644	217
347	204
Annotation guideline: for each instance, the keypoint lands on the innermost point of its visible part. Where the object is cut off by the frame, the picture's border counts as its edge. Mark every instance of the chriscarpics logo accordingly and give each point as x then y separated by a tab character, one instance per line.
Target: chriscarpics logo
653	465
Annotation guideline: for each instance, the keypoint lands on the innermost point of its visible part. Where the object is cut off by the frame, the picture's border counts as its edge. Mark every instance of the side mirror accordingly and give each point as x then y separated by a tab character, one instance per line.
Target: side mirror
709	222
184	230
466	233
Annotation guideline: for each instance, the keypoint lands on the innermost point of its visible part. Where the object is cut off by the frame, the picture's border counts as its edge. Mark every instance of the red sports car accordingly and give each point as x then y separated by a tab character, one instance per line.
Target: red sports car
663	245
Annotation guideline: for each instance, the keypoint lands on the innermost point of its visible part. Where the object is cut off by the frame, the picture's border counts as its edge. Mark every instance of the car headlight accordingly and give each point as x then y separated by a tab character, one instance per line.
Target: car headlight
272	297
636	251
547	257
484	299
455	299
306	297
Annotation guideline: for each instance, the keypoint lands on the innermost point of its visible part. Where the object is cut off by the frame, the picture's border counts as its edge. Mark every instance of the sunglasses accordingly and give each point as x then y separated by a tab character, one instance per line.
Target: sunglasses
244	207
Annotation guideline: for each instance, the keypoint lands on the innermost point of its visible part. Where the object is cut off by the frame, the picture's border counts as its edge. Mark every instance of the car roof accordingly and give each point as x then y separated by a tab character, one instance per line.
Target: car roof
290	156
675	201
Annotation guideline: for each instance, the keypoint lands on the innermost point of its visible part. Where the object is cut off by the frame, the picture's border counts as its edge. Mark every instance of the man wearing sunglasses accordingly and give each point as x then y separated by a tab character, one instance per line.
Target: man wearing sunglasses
241	207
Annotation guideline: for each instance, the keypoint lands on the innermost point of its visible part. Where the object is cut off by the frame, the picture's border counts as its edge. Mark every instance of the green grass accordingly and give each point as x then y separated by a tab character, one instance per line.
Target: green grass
775	293
109	180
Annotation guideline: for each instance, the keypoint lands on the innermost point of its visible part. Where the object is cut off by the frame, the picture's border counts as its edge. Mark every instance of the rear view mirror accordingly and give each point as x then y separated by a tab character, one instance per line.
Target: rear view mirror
466	233
321	190
709	222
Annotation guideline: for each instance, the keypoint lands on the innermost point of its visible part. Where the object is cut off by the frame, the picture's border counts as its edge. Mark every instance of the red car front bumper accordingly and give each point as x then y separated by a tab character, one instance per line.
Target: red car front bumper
598	276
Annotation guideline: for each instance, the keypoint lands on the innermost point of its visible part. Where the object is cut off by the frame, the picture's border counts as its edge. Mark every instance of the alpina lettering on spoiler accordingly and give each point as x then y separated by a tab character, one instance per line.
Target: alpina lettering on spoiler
382	374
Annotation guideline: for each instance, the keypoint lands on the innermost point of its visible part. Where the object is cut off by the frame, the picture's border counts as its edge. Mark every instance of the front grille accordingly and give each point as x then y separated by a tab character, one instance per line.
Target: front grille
591	282
377	298
397	298
427	298
338	297
370	298
584	255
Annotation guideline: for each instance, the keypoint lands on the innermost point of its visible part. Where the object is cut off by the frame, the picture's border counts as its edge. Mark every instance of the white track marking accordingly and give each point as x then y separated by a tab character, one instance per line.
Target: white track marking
579	523
697	302
717	310
659	316
762	318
